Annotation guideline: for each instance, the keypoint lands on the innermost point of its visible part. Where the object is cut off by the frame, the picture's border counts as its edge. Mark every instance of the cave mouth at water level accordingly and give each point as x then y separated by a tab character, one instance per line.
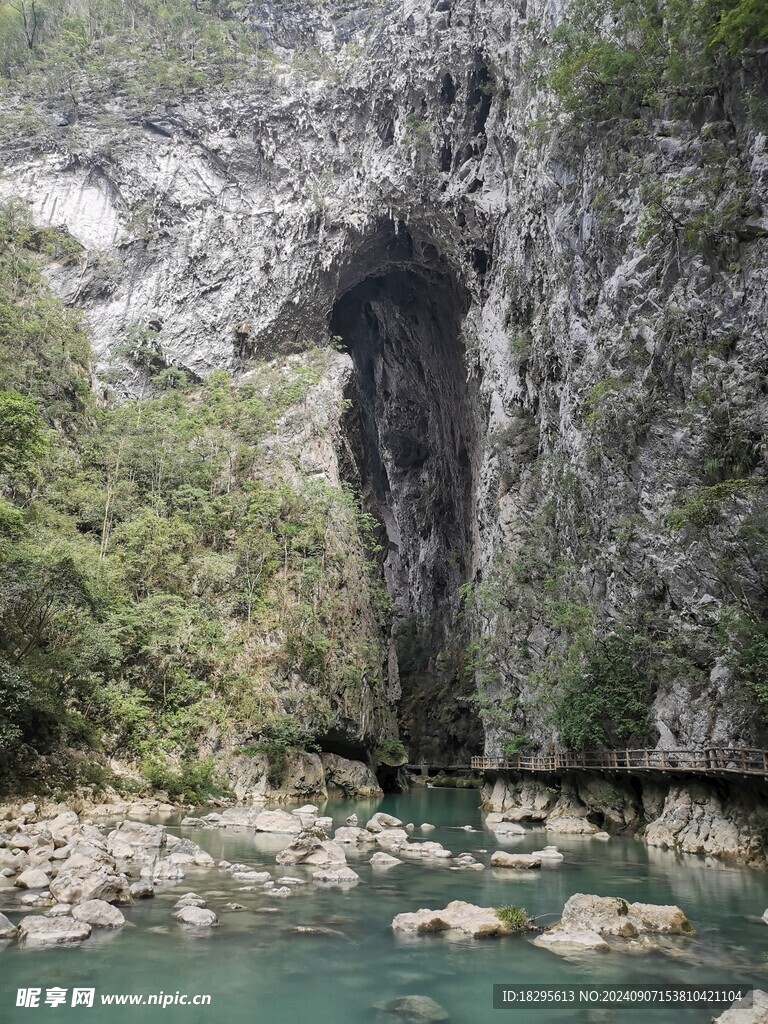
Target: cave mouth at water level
414	438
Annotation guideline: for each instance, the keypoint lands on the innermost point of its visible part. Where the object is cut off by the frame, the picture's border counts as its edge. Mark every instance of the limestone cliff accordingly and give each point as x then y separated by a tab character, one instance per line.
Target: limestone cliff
555	336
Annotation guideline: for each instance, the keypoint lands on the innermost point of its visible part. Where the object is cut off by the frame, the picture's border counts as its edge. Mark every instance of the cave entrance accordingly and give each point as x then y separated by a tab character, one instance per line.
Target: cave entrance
399	314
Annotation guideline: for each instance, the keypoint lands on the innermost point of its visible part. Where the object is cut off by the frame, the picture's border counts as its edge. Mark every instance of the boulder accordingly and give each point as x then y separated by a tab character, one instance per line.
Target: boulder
352	820
353	778
196	917
466	918
521	861
350	834
390	837
52	931
415	1010
383	860
131	838
189	899
65	823
508	828
77	887
303	774
325	823
427	827
142	890
60	910
98	914
549	853
280	822
184	851
242	817
571	940
309	848
425	851
7	930
756	1014
32	878
40	898
571	826
16	860
611	915
162	870
381	820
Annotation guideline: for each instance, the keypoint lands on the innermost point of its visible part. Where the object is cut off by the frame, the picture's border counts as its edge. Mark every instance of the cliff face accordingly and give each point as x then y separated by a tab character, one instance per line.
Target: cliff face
557	335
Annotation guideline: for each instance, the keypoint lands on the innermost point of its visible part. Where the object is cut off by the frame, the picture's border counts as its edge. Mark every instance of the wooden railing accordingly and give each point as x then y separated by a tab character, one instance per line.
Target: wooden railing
715	760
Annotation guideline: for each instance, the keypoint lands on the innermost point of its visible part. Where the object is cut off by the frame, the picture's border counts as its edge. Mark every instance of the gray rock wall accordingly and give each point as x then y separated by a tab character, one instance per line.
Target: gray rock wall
545	364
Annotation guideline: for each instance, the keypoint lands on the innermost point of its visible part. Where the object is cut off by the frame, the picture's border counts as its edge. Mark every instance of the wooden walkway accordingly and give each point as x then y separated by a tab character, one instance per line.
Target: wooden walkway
714	761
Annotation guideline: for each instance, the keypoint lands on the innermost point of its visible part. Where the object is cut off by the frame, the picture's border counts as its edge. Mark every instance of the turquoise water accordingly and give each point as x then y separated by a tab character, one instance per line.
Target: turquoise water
257	972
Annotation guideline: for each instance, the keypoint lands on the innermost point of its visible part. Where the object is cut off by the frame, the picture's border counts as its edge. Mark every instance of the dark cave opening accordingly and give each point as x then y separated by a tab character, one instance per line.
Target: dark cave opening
400	318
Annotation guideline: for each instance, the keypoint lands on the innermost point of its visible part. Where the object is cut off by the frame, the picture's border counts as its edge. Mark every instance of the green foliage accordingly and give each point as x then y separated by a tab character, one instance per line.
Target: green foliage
613	58
518	743
159	576
706	506
392	752
517	917
23	440
146	50
416	133
193	782
608	703
743	24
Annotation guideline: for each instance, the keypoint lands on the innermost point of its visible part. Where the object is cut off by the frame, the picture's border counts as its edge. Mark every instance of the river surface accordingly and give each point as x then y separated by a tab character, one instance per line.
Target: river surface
258	972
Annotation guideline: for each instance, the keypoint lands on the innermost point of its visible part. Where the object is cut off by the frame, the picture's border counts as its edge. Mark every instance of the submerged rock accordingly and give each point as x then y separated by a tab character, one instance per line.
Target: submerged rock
337	876
415	1010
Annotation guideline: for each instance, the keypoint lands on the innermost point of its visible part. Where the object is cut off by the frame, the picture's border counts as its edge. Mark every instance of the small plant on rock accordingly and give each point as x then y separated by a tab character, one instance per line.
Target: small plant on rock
517	917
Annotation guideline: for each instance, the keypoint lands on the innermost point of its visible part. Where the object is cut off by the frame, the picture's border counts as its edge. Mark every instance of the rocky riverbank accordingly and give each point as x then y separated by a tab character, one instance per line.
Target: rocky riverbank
721	820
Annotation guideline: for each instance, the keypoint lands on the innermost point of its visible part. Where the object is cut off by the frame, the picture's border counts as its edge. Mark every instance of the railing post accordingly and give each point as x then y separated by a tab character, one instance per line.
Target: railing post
663	760
744	760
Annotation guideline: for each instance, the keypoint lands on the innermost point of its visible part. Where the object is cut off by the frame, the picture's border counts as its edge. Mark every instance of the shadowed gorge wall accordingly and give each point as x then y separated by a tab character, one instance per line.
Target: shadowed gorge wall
401	323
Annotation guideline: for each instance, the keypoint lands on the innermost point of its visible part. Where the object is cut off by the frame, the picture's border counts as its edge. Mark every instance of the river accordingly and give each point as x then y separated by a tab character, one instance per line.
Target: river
257	971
